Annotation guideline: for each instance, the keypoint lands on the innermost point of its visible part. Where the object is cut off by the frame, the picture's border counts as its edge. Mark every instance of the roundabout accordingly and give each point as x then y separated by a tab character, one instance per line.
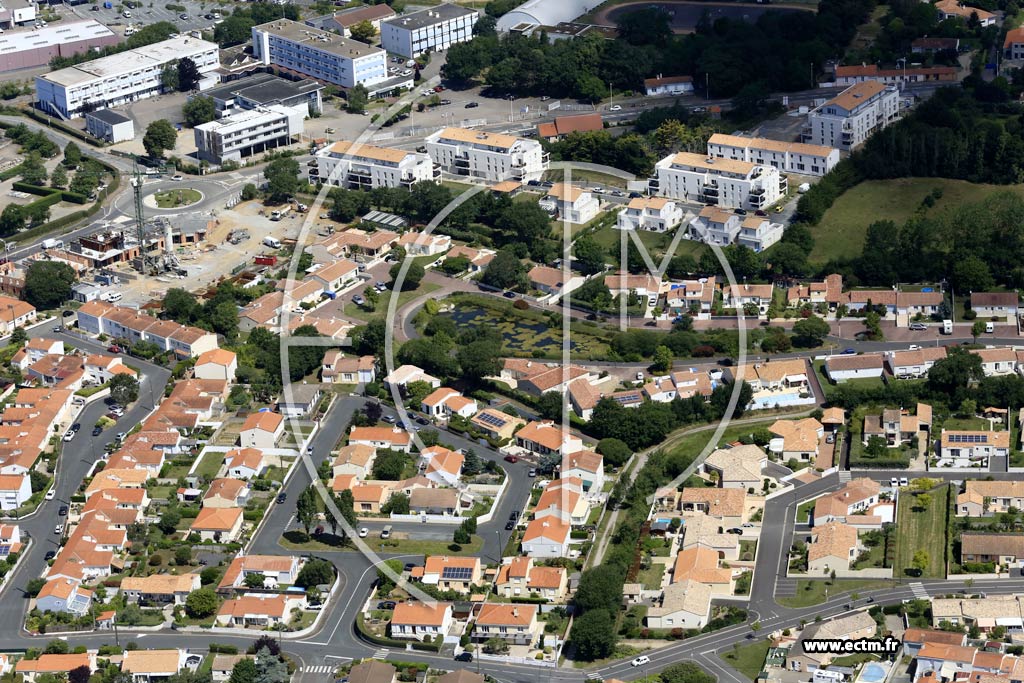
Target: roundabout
173	198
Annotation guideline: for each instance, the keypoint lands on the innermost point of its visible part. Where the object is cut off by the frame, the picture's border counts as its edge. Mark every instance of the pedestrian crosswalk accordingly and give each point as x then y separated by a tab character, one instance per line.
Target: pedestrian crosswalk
594	676
380	654
318	669
845	476
918	590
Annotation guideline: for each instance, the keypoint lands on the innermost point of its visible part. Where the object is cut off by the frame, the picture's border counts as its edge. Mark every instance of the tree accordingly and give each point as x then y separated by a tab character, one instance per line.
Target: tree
388	465
12	219
363	31
810	331
358	98
169	520
316	572
307	508
480	359
950	376
972	274
249	192
233	30
923	500
303	360
169	78
188	75
346	504
209	575
270	668
59	177
254	580
977	329
201	603
182	555
160	136
72	155
79	674
398	503
19	336
920	562
505	271
590	255
199	110
48	283
33	586
413	275
124	389
614	451
282	179
181	306
593	635
663	358
600	588
244	671
646	27
32	170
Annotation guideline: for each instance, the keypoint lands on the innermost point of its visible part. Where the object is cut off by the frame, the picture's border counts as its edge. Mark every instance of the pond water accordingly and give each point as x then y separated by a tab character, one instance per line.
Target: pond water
519	335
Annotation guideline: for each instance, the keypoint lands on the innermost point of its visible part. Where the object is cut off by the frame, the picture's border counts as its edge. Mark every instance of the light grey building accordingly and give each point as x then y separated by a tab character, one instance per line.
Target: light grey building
318	54
262	90
110	126
429	30
248	132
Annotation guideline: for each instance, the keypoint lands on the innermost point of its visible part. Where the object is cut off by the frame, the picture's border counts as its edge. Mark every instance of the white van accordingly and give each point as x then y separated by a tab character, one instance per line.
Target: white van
990	327
272	242
114	296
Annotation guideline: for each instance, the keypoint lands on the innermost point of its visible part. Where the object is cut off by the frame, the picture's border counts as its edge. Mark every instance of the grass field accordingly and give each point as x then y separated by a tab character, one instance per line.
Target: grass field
398	546
841	232
803	512
210	464
748	659
922	530
381	309
810	593
172	199
657	243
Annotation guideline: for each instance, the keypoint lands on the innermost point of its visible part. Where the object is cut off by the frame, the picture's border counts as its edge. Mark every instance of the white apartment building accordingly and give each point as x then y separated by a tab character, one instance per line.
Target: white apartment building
249	132
318	54
354	165
788	157
657	214
848	119
714	226
727	183
759	233
491	157
124	77
429	30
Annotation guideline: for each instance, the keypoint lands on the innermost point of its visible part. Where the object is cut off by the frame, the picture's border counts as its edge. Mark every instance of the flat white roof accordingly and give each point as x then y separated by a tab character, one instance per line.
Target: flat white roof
13	41
130	61
247	118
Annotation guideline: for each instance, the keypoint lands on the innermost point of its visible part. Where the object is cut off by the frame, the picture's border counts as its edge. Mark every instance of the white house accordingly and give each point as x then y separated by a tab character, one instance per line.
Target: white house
420	620
657	214
571	203
15	490
219	364
546	537
668	85
262	430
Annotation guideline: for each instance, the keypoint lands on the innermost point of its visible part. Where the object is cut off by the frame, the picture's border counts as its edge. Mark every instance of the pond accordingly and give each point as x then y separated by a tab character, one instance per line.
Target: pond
519	336
686	15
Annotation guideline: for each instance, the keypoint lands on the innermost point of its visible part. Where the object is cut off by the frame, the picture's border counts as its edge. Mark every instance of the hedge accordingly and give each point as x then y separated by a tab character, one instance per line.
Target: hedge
42	191
59	125
64	221
10	173
390	642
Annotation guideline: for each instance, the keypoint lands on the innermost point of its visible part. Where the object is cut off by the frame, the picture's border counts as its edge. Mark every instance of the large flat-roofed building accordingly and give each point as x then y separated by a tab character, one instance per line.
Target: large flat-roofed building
320	54
248	132
788	157
109	125
354	165
545	13
120	78
429	30
261	90
848	119
721	182
343	21
26	48
487	156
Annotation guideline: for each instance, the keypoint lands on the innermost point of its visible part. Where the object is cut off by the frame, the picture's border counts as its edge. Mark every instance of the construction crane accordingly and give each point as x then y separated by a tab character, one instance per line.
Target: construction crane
150	264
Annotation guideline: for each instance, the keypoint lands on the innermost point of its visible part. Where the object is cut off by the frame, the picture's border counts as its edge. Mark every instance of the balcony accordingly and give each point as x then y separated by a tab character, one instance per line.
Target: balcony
436	171
461	162
653	183
783	184
711	190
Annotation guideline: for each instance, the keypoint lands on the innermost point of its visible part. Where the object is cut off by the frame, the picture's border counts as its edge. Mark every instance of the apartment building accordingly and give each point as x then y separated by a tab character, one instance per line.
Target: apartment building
759	233
848	119
657	214
249	132
848	75
319	54
117	79
726	183
492	157
355	165
788	157
429	30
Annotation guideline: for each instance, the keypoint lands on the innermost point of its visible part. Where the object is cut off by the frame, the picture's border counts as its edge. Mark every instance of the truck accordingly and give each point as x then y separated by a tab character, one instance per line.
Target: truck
947	327
266	260
278	214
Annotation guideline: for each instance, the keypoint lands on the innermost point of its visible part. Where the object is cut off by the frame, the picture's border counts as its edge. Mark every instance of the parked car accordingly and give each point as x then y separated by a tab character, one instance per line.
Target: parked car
51	494
50	554
509	526
390	419
532	472
831	438
59	529
511	458
464	657
904	481
894	482
918	327
514	515
97	430
472	105
364	532
114	348
849	352
63	511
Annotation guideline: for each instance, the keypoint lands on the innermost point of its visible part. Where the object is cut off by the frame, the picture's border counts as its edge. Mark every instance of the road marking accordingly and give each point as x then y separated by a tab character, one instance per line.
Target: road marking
918	590
320	669
380	654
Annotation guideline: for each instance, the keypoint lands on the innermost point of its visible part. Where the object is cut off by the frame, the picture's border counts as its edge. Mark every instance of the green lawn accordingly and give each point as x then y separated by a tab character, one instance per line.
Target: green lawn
803	512
651	577
809	593
748	659
842	229
210	464
172	199
922	530
392	546
971	423
657	243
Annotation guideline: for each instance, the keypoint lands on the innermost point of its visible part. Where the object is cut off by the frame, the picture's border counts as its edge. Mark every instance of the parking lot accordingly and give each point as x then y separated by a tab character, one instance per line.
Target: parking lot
150	12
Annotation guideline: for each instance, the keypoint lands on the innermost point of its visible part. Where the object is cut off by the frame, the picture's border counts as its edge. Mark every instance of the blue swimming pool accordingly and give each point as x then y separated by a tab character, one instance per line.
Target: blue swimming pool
872	673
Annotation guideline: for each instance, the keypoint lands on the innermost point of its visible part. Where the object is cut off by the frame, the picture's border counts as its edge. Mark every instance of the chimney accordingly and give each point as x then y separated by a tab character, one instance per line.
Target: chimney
515	612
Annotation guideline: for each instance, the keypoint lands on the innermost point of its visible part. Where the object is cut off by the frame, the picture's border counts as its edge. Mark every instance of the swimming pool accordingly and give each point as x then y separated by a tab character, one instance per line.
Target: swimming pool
873	673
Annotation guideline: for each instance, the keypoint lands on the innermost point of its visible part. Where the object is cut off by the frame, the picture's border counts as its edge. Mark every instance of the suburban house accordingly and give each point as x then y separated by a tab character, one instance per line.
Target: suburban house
973	445
300	399
853	627
256	610
737	467
341	369
421	621
496	424
515	624
444	466
829	291
668	85
546	537
262	430
570	203
996	304
426	501
563	501
683	604
159	588
588	466
755	296
989	498
773	375
381	437
53	665
897	426
444	402
796	439
15	490
63	595
223	525
997	361
355	459
657	214
857	504
913	364
546	438
406	374
275	570
244	463
862	366
216	364
953	9
150	666
450	573
226	492
1002	549
563	125
372	671
552	281
519	576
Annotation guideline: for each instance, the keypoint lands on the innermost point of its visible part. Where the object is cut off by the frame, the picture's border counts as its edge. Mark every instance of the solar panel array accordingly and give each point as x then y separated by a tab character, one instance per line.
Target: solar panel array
457	573
968	438
491	419
5	550
628	398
